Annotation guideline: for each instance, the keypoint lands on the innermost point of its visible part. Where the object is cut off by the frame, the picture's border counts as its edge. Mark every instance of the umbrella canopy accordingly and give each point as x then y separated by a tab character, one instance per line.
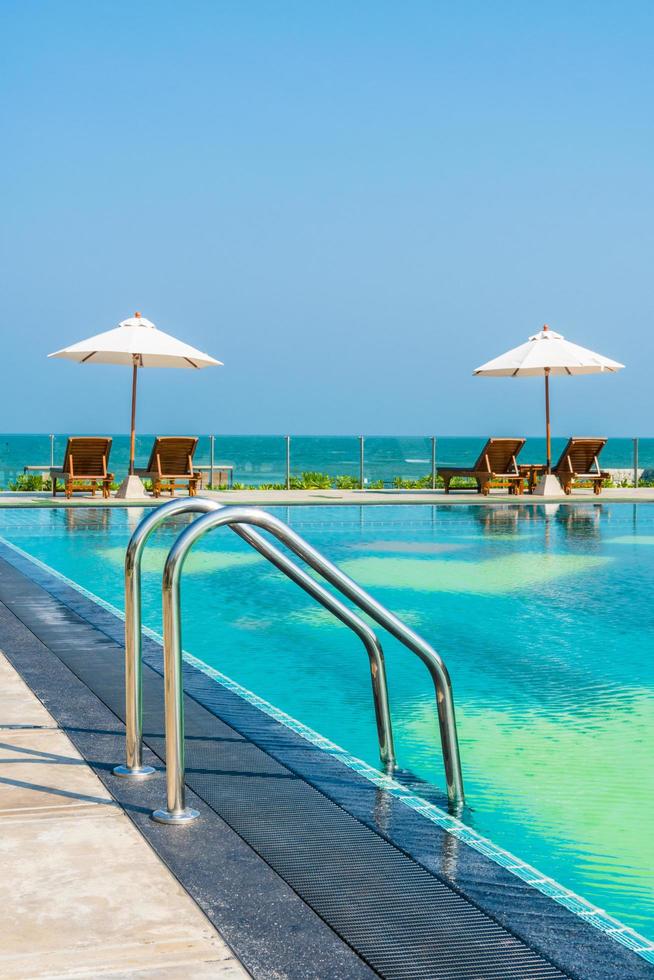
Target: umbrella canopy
547	353
136	343
136	338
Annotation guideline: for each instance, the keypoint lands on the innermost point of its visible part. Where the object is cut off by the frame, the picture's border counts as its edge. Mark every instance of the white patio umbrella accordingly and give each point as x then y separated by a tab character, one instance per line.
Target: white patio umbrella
547	353
136	343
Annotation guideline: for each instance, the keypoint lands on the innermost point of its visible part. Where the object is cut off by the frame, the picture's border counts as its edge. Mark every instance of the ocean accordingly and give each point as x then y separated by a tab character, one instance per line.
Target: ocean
262	459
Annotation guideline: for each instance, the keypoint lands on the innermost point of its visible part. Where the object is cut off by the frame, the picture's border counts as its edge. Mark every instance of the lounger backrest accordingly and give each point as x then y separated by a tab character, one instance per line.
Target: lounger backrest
87	455
579	455
175	455
498	454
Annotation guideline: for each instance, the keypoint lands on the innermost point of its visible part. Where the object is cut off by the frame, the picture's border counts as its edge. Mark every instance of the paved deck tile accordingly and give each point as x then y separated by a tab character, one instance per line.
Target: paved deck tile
82	893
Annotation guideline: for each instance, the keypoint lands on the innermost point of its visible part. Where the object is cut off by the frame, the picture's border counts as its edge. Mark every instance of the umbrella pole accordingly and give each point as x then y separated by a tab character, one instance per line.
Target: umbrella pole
547	420
131	487
132	437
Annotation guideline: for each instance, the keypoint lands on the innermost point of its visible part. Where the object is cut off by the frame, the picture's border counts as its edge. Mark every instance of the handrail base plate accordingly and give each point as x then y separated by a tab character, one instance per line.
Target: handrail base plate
128	773
182	816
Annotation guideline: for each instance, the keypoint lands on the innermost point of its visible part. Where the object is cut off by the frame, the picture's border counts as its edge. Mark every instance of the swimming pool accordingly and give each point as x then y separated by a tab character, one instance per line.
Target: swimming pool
542	613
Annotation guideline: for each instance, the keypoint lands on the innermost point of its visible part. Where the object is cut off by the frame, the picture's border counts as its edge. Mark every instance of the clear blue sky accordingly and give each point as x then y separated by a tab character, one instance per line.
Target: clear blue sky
352	204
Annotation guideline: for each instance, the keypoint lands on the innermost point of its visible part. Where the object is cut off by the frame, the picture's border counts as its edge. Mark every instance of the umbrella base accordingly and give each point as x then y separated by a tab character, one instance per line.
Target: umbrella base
131	489
548	486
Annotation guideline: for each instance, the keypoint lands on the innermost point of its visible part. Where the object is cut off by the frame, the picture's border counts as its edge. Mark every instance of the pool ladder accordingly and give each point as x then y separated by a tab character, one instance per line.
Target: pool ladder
242	520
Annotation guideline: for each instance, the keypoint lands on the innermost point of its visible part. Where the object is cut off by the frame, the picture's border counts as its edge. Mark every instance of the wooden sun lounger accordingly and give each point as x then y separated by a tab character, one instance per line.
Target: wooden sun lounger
496	465
86	463
578	463
171	465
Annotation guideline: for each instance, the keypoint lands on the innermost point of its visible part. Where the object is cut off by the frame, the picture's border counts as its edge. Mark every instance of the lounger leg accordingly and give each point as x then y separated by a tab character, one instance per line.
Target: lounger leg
446	483
54	486
69	489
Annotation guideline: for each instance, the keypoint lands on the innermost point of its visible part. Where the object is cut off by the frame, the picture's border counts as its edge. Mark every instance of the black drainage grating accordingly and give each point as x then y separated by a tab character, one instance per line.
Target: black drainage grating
401	919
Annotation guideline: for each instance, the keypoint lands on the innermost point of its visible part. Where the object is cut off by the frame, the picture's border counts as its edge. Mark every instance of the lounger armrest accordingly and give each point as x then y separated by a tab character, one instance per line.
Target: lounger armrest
156	475
54	471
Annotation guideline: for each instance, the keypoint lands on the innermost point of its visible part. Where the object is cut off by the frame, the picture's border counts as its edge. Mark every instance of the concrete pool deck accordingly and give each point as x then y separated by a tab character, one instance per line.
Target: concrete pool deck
287	498
72	861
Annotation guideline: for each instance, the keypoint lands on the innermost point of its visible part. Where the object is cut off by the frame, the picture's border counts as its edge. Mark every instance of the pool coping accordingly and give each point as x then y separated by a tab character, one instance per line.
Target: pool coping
353	783
340	498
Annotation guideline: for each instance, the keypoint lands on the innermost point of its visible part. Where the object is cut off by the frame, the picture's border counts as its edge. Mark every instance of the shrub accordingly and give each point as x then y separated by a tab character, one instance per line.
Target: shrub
27	482
347	483
422	483
311	480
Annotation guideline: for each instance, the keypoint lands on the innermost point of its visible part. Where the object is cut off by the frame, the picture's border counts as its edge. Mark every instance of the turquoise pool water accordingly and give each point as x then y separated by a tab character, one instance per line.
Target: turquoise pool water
544	615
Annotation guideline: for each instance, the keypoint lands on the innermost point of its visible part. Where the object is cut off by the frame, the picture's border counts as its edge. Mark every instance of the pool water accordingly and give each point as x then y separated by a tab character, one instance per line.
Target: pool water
543	614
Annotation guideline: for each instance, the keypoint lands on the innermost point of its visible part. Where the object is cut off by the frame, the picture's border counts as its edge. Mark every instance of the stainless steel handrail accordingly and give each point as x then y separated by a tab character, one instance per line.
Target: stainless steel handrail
133	626
176	810
133	766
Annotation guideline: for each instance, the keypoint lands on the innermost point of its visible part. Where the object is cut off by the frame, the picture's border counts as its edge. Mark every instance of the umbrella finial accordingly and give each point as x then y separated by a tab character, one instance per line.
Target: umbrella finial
545	327
138	314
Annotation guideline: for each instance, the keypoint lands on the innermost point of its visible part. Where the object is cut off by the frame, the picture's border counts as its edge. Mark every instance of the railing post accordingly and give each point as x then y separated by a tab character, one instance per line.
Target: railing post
433	462
133	767
176	811
52	438
288	462
361	461
212	441
636	463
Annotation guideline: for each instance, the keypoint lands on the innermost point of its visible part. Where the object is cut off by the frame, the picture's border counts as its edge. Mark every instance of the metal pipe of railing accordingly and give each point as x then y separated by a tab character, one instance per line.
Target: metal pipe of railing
390	622
133	766
348	618
176	810
133	660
